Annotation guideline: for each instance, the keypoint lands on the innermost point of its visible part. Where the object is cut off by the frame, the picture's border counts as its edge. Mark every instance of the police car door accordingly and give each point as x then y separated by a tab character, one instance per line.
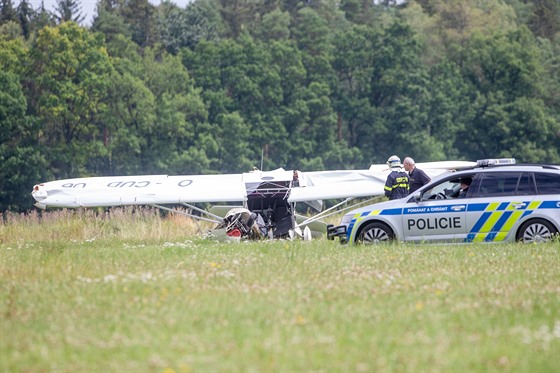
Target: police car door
497	201
435	214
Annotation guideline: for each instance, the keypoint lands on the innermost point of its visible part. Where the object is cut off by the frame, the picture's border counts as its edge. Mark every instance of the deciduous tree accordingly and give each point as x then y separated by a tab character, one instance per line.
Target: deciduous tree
510	116
69	74
23	163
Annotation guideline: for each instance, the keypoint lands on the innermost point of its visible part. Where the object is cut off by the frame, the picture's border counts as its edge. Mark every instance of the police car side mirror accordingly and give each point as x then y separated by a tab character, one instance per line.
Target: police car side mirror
417	197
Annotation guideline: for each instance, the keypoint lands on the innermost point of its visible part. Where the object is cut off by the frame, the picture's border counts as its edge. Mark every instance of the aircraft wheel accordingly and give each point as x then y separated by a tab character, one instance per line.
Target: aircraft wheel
375	233
307	234
291	234
536	231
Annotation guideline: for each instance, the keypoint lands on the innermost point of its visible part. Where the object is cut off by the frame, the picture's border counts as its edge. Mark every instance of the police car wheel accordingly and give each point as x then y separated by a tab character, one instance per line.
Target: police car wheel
375	233
535	231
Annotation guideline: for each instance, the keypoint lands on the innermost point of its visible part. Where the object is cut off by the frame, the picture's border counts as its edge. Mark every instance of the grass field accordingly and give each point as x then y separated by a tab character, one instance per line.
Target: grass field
130	291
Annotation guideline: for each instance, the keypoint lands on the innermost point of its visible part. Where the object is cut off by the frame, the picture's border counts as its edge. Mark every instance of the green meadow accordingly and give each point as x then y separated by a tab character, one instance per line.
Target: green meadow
133	291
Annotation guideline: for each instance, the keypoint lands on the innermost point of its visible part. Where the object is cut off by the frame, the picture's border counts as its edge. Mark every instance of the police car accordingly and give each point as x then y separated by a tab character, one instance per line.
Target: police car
504	202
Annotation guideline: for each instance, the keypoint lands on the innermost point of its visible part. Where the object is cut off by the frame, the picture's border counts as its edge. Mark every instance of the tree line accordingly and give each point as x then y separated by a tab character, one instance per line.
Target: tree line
308	85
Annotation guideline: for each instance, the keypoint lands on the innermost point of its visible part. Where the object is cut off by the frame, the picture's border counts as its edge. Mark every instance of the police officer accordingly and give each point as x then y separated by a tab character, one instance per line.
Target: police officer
465	184
417	177
397	184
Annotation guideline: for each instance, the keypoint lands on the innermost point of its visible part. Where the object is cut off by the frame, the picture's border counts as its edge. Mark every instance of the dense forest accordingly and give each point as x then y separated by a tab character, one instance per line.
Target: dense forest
308	85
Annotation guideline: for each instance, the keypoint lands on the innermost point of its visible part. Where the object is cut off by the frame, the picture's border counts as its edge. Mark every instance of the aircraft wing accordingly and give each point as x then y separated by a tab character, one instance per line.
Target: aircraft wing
430	168
359	183
159	189
163	189
339	184
139	190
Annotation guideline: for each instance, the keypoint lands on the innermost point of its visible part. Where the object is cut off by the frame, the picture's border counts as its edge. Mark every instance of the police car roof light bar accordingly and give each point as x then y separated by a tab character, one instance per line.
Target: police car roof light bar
495	162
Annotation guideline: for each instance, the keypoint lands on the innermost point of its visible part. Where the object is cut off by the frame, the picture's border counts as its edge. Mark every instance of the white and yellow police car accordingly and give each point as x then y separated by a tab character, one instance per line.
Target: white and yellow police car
496	201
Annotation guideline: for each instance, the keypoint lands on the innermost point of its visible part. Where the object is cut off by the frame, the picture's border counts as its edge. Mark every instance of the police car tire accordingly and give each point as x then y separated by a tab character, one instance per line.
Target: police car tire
375	233
536	230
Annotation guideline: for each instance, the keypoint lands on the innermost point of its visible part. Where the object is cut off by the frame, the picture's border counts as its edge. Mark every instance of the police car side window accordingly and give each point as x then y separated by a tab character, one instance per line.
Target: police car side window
507	184
489	186
498	184
547	183
510	183
526	185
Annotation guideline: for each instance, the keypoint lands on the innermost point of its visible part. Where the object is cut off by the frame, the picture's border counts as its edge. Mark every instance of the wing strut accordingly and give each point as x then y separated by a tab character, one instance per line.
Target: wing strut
202	211
186	214
324	214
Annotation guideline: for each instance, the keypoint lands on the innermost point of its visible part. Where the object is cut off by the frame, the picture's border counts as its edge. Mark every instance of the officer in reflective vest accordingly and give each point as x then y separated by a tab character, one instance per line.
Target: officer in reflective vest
397	184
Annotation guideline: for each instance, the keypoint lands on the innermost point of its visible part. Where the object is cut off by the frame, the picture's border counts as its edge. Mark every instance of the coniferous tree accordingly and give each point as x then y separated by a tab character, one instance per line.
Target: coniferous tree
7	12
25	15
184	28
68	10
42	18
112	25
139	15
545	20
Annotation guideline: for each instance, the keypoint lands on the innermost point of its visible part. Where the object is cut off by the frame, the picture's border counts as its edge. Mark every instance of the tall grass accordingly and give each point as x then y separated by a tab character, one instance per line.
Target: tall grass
138	223
121	295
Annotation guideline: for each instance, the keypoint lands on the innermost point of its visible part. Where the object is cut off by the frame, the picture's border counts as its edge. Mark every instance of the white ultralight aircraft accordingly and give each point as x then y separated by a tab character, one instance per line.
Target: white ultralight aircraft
268	198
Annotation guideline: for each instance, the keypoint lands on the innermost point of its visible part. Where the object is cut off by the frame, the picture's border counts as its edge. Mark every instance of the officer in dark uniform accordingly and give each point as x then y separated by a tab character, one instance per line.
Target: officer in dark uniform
417	177
465	185
397	184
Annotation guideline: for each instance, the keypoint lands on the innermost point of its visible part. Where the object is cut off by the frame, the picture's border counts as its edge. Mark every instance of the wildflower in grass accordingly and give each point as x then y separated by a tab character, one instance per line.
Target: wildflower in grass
164	294
419	306
503	361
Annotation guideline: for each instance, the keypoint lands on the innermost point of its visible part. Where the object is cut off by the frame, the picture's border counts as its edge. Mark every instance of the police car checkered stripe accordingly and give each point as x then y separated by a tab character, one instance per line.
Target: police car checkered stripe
497	220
